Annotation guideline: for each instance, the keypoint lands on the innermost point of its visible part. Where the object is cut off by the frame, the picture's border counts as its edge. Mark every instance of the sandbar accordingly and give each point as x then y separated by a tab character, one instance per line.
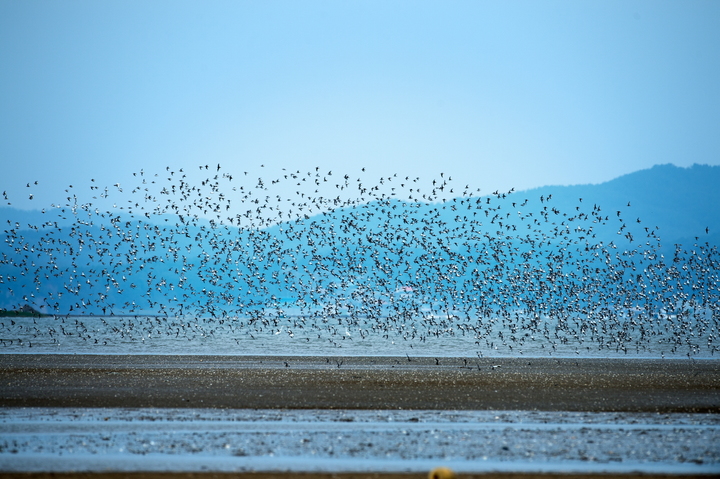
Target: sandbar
302	382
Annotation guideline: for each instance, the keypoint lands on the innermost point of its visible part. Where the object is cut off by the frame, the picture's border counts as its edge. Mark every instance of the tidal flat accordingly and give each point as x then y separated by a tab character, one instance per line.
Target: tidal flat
352	417
294	382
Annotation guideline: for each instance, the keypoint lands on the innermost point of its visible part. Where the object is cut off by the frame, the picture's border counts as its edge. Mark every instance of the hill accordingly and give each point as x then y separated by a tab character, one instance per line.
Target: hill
680	202
546	249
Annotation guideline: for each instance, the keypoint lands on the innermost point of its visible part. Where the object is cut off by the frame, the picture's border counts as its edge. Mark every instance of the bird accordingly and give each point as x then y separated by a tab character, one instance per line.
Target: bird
386	258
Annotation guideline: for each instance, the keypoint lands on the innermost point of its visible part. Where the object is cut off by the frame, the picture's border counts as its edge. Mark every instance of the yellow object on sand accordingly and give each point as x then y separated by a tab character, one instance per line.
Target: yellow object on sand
441	473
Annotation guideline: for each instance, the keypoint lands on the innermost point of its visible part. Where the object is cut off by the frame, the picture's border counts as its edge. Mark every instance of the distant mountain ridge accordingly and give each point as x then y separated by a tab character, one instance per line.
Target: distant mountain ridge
681	202
95	259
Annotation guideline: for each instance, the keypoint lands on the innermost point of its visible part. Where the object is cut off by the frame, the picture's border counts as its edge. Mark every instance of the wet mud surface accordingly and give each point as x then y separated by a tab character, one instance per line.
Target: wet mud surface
346	475
99	439
563	384
263	417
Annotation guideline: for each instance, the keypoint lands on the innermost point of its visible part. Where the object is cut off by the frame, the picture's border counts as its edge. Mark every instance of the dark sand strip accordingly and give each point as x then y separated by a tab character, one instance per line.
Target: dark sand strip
360	383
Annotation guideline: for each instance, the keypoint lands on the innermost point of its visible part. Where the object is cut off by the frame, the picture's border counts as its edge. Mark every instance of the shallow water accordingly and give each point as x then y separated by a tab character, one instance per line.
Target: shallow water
37	439
298	335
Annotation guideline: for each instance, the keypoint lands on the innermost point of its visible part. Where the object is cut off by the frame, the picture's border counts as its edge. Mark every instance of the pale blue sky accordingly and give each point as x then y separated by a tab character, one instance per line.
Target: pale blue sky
499	94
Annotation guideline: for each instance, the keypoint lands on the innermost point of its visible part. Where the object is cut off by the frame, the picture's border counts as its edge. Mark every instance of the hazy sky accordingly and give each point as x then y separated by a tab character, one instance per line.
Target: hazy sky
499	94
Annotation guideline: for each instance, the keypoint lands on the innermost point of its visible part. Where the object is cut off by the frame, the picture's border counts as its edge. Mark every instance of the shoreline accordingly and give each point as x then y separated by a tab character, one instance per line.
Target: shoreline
312	382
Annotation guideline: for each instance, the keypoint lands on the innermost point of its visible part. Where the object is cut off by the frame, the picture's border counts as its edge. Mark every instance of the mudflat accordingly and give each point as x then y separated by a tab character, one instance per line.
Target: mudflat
551	384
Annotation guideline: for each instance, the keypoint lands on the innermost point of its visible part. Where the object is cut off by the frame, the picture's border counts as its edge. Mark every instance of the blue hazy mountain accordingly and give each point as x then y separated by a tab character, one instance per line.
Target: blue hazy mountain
680	202
536	248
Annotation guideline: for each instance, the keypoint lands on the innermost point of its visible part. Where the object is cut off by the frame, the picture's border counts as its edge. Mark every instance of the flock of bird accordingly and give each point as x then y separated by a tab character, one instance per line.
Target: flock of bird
425	258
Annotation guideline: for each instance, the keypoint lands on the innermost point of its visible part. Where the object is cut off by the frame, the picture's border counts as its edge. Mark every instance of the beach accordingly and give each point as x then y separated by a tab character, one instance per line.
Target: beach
550	384
295	417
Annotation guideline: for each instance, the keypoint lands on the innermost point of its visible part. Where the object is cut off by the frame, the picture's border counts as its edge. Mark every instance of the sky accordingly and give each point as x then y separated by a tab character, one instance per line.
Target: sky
498	94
